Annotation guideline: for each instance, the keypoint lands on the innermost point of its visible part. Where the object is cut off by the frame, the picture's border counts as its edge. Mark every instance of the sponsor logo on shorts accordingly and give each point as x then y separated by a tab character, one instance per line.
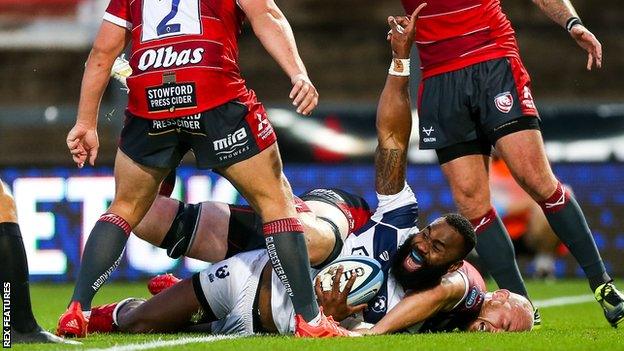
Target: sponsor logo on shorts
380	304
527	98
189	124
428	138
264	127
504	102
222	272
171	96
232	145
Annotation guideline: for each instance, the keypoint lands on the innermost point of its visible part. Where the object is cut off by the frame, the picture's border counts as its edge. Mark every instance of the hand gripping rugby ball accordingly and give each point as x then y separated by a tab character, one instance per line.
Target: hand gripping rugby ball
368	281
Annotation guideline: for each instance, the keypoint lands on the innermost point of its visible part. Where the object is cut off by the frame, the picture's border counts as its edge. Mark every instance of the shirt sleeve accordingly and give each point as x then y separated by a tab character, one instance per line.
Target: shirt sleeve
399	210
118	12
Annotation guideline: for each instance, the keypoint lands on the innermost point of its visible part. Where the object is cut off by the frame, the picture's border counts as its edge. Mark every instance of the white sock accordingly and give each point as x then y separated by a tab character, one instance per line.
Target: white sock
87	314
316	320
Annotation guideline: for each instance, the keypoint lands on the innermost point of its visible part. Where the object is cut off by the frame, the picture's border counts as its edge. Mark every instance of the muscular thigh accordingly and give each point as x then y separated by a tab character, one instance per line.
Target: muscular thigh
230	133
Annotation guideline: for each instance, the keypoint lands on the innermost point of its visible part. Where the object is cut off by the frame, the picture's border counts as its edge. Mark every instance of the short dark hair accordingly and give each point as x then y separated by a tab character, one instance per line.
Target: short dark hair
463	226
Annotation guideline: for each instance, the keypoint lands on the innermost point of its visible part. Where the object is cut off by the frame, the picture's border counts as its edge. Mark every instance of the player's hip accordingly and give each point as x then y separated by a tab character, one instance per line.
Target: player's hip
474	103
219	137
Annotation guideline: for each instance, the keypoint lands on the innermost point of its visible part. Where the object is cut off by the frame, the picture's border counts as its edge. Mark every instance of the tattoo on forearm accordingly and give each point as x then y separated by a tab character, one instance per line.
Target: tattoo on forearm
558	10
390	170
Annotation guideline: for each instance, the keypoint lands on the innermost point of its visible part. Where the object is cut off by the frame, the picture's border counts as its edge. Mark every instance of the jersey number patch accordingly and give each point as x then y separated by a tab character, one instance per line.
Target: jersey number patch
165	18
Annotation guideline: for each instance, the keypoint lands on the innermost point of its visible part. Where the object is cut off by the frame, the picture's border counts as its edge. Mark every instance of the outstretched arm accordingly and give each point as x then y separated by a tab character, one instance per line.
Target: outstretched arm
419	307
274	32
564	14
394	116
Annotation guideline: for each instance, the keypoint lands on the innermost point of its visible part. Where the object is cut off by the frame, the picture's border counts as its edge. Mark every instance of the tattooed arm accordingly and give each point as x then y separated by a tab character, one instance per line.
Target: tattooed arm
561	11
558	10
394	116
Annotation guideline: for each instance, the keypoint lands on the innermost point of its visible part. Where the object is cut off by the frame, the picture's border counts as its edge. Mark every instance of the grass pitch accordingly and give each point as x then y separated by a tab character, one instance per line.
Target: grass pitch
579	326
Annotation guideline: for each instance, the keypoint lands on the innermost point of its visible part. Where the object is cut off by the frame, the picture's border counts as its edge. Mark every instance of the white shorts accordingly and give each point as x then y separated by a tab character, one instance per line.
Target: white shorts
229	288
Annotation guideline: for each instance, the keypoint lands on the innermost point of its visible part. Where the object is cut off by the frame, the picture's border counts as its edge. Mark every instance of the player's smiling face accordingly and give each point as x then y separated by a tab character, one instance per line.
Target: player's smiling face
427	255
438	244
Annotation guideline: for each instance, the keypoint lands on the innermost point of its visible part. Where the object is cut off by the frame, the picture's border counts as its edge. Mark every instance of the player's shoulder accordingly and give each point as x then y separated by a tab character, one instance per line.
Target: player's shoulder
399	210
474	288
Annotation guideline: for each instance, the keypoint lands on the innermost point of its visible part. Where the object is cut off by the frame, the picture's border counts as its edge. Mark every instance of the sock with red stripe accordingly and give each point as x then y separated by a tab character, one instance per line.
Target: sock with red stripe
101	257
288	254
568	222
497	252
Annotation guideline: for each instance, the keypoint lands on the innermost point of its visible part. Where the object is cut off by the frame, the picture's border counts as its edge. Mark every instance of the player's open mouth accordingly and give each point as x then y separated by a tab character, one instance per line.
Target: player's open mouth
413	261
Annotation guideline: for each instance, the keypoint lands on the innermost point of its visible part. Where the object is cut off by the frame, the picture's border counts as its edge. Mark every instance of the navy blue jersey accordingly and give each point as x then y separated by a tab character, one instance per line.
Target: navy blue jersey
393	221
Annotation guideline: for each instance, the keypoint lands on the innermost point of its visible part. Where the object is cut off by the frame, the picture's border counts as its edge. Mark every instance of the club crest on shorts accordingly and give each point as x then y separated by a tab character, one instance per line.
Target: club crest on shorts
504	102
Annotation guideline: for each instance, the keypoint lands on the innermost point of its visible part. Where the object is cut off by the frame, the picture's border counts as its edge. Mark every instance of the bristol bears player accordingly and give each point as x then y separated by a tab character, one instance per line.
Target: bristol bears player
186	93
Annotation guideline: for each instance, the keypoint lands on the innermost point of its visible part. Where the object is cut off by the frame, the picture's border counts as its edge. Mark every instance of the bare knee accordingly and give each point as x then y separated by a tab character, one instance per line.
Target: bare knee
8	212
540	185
473	201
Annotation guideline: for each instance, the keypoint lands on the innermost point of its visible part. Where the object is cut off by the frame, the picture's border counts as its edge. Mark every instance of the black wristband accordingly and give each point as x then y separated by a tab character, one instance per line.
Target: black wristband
571	22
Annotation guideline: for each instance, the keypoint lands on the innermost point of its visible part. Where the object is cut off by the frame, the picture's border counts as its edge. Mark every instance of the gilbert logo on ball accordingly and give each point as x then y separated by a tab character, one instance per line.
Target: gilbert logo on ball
504	102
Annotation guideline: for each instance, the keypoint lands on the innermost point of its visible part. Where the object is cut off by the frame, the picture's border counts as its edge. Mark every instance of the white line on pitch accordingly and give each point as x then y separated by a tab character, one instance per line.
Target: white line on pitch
564	300
167	343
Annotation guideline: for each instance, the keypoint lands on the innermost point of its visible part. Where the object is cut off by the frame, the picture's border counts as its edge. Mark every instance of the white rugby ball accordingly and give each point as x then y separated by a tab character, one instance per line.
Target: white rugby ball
369	277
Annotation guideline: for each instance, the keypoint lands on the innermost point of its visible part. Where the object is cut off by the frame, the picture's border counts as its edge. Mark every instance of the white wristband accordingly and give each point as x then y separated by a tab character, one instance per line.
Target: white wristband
399	67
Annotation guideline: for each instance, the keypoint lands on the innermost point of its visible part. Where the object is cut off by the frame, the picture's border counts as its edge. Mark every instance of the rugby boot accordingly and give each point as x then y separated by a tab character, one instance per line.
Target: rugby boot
161	282
38	336
612	302
327	328
73	323
537	320
101	319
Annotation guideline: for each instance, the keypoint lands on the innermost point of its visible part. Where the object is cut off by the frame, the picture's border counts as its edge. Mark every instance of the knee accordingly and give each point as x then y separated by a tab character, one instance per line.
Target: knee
8	212
472	199
539	185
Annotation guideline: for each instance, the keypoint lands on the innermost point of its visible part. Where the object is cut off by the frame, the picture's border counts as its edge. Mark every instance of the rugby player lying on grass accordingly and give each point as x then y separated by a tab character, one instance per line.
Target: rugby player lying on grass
243	295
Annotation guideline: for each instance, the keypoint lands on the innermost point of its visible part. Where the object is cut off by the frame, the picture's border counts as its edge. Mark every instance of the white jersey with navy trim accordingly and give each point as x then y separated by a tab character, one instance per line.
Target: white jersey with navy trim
393	221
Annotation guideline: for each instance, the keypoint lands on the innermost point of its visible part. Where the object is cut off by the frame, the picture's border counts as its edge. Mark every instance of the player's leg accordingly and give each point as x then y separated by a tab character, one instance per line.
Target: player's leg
213	231
24	327
525	155
135	189
468	179
170	311
261	181
449	107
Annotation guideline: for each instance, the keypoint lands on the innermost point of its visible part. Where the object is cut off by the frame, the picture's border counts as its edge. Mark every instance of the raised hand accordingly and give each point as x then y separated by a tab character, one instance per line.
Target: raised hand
402	32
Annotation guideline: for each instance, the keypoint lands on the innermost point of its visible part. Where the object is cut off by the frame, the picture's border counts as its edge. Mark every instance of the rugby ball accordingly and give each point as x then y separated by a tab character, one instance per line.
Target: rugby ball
369	277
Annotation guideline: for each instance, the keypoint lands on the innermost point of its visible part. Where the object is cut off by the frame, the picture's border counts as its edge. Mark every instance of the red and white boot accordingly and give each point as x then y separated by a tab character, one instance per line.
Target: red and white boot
73	322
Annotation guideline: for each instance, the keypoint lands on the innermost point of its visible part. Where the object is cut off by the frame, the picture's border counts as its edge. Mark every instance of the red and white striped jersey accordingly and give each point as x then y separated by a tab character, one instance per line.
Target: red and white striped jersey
452	34
184	54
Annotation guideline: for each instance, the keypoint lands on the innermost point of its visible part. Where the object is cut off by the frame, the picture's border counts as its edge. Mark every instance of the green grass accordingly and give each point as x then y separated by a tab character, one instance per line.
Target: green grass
572	327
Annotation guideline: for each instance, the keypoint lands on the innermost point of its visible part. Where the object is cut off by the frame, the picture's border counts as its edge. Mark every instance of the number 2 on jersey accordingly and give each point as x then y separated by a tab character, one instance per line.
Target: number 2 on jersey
166	18
164	28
